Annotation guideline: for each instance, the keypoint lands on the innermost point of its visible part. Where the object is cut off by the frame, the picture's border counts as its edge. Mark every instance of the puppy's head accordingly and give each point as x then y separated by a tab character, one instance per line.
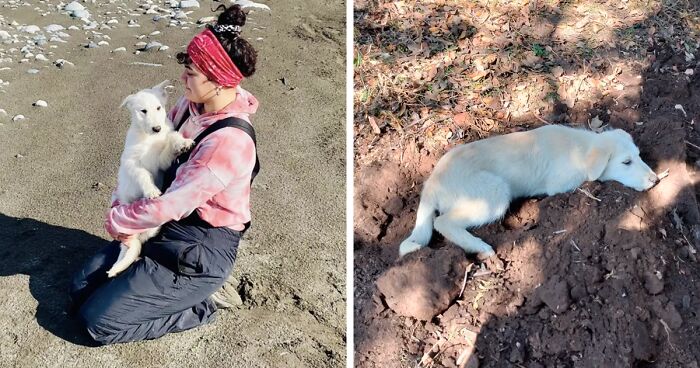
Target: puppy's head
617	158
147	109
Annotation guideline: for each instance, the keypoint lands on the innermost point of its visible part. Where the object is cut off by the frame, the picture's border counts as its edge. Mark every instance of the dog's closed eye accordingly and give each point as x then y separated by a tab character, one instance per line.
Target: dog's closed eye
627	162
144	111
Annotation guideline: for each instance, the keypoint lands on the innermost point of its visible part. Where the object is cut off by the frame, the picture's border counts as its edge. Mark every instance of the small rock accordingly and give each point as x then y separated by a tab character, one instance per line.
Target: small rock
19	155
555	294
689	71
18	117
41	57
3	112
33	71
154	33
4	35
60	63
206	20
652	283
132	22
152	45
119	49
91	45
30	29
40	103
189	4
73	6
164	48
140	45
80	14
98	186
112	21
53	28
103	43
74	28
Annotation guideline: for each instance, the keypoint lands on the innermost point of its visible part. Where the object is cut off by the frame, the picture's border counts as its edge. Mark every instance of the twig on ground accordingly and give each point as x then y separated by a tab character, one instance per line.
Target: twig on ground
575	246
589	195
692	145
663	174
668	333
542	120
464	281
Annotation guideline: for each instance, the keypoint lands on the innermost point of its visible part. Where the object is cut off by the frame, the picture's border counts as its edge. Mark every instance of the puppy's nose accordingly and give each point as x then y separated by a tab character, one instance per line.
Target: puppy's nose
156	129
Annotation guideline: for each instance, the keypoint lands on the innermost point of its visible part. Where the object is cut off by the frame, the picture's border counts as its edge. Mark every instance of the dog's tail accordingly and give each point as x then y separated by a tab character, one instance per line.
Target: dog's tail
420	236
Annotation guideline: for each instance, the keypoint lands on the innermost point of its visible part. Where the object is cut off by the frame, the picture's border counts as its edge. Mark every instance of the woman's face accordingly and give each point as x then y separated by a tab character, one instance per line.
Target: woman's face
198	88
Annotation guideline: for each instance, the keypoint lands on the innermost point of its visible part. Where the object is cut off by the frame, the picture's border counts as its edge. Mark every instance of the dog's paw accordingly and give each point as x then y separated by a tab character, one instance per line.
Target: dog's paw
152	193
184	145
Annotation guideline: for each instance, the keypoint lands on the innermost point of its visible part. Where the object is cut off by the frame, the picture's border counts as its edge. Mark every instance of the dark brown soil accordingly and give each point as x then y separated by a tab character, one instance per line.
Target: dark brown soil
609	283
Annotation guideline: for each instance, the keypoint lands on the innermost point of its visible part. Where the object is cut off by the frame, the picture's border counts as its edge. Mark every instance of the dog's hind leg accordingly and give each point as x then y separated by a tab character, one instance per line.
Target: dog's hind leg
472	211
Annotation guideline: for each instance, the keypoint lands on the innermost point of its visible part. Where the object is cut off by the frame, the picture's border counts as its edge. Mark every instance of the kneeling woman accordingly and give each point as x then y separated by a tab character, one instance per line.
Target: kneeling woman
204	209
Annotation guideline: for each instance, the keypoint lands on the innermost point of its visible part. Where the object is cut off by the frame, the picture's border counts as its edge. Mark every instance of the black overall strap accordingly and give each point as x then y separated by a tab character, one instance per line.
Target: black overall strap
223	123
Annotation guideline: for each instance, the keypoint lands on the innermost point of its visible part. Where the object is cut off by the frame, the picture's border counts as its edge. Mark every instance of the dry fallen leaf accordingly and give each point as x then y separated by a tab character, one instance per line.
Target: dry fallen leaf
557	71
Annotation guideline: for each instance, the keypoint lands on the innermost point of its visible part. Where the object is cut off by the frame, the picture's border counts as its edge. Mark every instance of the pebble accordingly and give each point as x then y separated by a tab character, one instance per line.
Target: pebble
74	28
61	62
33	71
91	45
189	4
30	29
652	283
4	35
80	14
154	33
206	20
57	39
140	45
164	48
54	28
41	57
3	112
40	103
18	118
19	155
112	21
119	49
152	45
103	43
73	6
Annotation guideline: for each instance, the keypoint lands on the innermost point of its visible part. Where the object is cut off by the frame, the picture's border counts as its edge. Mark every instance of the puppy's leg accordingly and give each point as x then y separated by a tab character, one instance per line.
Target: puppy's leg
144	179
486	203
179	144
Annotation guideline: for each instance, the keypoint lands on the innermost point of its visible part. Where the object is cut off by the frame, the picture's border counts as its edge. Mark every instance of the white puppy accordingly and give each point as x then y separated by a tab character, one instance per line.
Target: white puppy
150	148
473	184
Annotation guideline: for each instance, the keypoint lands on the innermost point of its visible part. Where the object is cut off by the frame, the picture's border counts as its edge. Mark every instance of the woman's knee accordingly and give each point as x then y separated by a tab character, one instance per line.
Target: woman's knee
102	329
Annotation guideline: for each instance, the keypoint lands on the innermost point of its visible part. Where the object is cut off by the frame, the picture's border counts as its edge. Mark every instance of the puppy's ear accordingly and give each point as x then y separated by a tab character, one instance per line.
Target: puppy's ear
161	90
597	160
127	101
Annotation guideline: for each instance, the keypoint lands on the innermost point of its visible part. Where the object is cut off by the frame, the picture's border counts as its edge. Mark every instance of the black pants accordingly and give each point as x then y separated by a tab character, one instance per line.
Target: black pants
167	290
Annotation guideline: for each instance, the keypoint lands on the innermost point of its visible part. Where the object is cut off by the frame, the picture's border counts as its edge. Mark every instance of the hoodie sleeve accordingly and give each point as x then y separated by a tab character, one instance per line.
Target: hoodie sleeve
220	158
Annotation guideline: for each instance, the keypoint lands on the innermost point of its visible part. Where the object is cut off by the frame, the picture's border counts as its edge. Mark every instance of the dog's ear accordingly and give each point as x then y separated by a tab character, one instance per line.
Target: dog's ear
127	101
161	90
597	160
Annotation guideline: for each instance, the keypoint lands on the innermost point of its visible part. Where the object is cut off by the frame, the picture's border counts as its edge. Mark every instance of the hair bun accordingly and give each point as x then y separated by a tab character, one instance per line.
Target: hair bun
233	15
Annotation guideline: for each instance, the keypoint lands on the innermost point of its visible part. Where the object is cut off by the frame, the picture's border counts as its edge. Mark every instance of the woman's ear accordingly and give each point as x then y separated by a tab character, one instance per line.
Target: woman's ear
597	160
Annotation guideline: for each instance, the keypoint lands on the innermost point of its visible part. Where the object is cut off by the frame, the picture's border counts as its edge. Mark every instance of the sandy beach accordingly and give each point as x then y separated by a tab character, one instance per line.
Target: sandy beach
58	167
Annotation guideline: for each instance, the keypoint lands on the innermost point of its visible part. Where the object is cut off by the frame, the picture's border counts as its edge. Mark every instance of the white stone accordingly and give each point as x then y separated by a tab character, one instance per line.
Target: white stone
74	28
57	39
81	14
31	29
206	20
152	45
112	21
164	48
54	28
74	6
103	43
33	71
40	103
154	33
189	4
41	57
3	112
4	35
18	117
119	49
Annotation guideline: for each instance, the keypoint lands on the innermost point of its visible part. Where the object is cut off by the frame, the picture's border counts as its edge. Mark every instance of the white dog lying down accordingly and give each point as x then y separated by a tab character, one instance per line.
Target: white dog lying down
473	184
150	148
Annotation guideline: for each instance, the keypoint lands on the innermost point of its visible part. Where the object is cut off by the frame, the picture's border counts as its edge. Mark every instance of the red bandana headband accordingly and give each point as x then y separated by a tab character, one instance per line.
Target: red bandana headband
210	57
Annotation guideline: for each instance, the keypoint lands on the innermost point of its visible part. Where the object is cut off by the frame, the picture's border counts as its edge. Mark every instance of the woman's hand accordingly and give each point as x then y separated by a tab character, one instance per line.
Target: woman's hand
112	232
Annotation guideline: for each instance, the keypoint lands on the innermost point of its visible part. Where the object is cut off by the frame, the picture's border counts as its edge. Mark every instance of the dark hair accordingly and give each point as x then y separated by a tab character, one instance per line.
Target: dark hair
238	49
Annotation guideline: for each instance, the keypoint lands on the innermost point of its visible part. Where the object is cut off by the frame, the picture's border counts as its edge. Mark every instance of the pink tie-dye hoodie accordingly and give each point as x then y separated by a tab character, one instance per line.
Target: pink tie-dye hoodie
215	181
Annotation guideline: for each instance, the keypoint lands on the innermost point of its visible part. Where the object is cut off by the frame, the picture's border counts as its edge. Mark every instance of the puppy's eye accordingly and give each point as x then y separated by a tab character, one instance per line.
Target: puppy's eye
627	162
144	111
158	108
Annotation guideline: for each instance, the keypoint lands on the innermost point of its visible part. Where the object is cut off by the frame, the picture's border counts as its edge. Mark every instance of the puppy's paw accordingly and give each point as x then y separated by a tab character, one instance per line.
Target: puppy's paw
152	193
184	145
